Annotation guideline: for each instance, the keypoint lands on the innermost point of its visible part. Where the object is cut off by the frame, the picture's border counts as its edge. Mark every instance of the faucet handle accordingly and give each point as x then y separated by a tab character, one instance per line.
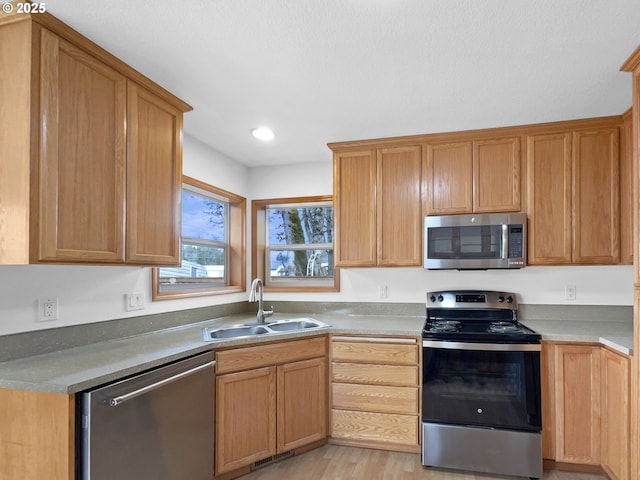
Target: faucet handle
268	313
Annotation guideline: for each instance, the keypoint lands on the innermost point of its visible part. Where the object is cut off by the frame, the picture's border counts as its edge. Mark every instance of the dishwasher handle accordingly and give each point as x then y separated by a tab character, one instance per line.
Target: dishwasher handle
115	401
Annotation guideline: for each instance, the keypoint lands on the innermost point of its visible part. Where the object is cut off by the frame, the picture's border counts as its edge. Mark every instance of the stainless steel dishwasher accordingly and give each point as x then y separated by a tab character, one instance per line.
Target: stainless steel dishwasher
158	425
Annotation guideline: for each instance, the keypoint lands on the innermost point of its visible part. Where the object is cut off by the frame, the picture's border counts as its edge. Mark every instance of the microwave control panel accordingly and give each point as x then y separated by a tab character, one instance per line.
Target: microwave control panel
516	241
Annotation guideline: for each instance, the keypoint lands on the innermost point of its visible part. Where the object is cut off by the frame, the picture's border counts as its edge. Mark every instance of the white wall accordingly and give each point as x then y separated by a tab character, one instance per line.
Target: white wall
91	294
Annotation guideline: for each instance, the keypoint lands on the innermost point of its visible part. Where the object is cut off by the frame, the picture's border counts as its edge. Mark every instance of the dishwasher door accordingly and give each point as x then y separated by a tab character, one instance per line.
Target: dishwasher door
158	425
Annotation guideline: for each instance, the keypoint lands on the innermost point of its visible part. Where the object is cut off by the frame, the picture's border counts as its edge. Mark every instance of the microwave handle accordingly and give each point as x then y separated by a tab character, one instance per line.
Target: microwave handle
505	241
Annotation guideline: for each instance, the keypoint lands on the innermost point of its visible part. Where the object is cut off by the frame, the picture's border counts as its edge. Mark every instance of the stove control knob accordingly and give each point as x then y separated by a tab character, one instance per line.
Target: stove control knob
440	298
432	298
509	299
500	299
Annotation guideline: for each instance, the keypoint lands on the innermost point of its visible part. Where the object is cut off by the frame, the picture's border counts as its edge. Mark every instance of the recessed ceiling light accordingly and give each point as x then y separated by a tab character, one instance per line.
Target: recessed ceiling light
263	133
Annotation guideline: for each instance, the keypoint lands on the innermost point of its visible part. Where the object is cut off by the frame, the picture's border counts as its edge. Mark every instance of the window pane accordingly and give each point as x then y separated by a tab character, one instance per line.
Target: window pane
211	259
301	263
202	217
299	226
202	267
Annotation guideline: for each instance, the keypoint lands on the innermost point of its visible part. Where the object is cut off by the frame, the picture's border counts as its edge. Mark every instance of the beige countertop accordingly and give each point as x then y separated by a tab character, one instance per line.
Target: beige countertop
616	335
81	368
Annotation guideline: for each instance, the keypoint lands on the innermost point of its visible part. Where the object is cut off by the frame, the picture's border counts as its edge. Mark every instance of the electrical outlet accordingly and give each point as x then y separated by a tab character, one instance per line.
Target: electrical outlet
47	309
382	291
134	301
569	292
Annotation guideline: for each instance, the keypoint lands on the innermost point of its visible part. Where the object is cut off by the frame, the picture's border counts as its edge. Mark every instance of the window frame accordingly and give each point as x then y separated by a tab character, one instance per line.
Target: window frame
259	262
235	260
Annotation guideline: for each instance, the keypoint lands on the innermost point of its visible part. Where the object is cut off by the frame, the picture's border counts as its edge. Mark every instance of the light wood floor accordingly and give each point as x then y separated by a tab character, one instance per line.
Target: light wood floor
332	462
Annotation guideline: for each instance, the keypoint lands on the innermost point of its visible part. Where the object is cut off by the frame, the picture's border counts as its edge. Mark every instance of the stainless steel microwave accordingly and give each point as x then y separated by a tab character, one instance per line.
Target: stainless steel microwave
475	242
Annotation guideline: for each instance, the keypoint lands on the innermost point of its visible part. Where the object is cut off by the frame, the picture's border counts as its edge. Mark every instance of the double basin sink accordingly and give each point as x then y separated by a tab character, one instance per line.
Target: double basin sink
247	330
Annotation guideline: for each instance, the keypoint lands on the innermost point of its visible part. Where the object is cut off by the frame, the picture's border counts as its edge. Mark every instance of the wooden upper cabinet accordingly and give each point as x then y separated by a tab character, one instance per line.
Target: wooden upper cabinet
92	163
354	183
574	197
626	189
377	207
80	201
448	178
496	175
480	176
549	202
399	217
154	179
596	197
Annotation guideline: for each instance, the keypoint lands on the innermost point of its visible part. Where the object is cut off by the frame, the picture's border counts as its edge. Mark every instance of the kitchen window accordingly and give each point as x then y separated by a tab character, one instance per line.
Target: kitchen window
212	245
293	244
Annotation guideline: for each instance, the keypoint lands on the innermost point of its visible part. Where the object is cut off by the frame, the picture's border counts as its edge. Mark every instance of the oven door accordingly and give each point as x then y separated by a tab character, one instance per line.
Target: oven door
482	384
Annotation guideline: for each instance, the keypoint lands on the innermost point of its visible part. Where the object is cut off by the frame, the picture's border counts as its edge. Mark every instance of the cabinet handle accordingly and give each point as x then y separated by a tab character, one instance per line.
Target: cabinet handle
404	341
115	401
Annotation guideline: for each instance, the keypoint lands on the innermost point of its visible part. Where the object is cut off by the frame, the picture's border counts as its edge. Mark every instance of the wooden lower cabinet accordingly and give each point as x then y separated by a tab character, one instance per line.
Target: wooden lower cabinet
273	400
302	403
245	418
375	399
585	401
577	392
37	435
615	414
586	406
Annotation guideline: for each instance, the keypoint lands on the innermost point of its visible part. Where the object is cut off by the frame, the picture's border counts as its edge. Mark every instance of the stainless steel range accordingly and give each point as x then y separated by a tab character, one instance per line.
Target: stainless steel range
480	385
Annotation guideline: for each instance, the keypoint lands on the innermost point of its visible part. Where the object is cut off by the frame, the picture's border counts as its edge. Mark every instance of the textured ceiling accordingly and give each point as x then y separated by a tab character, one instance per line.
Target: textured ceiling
320	71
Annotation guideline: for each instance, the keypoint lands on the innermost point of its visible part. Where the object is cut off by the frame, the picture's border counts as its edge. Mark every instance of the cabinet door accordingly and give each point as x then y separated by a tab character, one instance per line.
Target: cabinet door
37	431
154	179
549	190
245	418
496	175
399	217
302	403
354	183
577	404
80	193
626	190
596	200
448	179
615	415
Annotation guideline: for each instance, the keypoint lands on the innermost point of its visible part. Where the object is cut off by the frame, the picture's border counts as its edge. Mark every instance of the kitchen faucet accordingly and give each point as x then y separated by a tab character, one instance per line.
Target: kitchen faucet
257	287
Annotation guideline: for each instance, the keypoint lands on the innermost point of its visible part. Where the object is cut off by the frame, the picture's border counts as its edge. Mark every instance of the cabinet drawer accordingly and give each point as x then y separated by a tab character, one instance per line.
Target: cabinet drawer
270	354
370	352
379	427
375	398
394	375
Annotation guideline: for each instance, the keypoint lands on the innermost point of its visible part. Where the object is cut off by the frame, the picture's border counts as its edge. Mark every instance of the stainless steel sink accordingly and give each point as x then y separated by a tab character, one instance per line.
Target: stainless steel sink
295	324
236	331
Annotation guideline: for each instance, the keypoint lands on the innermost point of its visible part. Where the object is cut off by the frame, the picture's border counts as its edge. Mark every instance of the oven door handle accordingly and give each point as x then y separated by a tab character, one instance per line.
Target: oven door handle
496	347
